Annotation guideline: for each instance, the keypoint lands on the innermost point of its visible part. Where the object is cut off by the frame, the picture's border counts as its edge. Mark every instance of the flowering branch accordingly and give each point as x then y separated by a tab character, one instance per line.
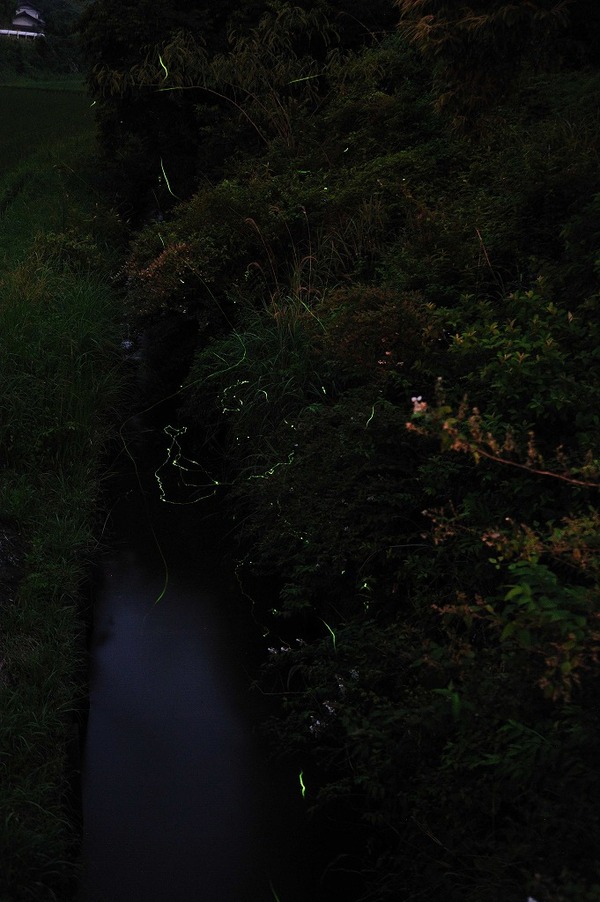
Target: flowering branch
438	422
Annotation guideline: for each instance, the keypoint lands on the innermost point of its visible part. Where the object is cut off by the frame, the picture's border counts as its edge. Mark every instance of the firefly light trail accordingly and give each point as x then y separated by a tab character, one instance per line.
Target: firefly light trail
167	182
282	463
160	60
331	632
165	585
176	459
302	785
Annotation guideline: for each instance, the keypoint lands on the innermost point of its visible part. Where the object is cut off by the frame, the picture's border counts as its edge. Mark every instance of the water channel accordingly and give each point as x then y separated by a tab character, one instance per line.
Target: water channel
179	804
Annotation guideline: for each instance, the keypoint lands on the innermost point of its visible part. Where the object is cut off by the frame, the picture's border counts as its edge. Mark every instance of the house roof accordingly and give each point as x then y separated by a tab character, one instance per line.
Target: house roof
25	21
28	7
29	10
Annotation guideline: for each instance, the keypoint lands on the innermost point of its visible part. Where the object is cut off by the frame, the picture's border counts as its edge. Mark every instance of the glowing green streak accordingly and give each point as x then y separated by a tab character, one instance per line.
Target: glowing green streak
302	786
167	182
371	417
275	896
163	591
309	311
160	60
332	633
295	81
165	586
282	463
178	461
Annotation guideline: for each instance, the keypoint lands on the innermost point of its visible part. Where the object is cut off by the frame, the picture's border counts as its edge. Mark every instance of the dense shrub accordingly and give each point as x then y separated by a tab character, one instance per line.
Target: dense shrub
395	388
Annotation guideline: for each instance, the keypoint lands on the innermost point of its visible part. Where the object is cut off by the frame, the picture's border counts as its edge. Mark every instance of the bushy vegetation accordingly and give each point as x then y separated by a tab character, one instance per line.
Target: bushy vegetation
384	245
59	385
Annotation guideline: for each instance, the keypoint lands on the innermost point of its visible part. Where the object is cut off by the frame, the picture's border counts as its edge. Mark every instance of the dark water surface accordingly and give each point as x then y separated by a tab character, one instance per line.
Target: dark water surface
177	804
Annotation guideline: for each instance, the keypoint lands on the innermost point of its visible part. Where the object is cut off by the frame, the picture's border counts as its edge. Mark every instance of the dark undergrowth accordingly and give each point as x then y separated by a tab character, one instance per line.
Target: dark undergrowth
372	285
60	383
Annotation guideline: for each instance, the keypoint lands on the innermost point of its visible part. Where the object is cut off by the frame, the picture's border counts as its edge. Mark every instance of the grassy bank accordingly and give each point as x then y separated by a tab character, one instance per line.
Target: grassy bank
72	83
40	118
59	382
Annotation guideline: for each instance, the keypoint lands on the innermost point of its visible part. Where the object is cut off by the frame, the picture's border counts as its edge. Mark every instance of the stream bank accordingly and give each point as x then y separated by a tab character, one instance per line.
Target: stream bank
178	801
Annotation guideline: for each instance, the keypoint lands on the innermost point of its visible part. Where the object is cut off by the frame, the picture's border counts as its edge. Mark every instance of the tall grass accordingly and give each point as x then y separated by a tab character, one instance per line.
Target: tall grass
60	380
39	120
251	385
54	380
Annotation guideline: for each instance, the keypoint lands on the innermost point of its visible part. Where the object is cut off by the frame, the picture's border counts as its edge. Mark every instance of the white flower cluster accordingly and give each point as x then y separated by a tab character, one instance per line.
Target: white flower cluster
317	725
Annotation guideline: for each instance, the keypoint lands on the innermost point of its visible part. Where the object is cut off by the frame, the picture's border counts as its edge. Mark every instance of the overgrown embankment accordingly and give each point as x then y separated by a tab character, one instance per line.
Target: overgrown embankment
387	259
59	383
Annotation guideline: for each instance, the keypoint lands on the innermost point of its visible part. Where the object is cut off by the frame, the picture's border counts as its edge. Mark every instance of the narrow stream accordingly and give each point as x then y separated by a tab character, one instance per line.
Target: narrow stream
177	804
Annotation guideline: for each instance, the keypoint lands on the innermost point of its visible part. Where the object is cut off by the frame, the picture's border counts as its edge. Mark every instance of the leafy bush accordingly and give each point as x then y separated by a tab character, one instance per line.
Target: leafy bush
432	613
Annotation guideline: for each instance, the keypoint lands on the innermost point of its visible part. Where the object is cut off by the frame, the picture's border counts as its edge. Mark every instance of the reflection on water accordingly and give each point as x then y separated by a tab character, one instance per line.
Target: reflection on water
173	800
